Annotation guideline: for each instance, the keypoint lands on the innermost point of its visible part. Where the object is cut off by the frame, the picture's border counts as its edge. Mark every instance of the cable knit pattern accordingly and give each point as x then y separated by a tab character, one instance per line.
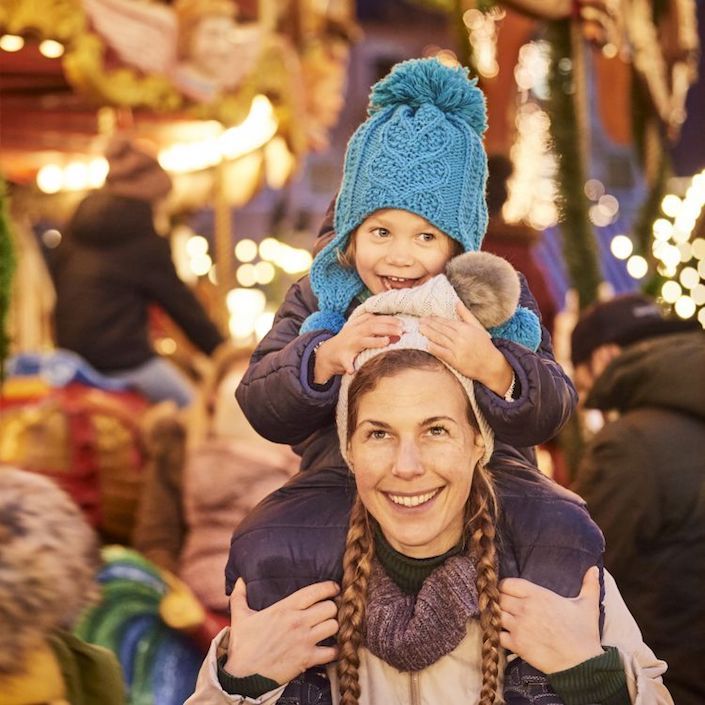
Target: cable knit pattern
421	151
411	632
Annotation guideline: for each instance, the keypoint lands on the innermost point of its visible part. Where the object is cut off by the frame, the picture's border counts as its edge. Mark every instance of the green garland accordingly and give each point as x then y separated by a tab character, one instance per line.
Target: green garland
7	270
579	249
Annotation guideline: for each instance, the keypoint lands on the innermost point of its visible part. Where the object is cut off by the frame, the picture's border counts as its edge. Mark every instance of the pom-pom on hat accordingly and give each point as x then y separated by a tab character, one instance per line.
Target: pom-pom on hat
420	150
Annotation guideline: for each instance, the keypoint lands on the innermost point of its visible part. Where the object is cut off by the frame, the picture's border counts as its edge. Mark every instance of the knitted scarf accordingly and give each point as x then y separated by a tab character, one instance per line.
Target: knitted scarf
411	632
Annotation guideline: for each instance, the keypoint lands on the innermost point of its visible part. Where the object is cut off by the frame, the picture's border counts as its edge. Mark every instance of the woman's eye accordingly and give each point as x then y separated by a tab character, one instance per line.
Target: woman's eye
377	435
438	431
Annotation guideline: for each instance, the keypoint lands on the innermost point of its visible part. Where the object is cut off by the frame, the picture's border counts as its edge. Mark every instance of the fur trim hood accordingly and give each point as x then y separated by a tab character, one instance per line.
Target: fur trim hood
48	559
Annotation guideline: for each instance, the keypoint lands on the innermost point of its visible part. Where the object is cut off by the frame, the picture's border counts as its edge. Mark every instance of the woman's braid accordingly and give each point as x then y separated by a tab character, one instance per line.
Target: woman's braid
482	527
357	564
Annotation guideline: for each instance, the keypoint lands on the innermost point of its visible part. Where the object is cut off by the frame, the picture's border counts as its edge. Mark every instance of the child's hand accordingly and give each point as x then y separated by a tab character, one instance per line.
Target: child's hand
550	632
336	355
466	346
281	641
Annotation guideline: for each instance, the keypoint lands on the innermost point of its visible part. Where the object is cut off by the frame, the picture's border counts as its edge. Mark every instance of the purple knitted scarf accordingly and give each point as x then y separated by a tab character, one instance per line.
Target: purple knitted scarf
411	632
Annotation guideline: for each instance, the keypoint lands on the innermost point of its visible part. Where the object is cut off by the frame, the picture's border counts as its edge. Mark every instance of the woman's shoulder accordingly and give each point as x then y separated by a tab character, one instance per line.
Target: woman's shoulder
546	533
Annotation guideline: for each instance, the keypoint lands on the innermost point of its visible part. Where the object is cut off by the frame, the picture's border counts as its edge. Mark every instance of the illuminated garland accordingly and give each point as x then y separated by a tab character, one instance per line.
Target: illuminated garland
579	250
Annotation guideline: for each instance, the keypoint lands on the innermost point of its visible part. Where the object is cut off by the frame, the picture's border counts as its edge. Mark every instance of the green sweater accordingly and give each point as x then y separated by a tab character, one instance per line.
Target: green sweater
598	681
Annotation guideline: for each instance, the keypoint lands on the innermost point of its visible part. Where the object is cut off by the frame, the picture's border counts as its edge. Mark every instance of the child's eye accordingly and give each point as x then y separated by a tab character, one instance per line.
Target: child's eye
427	237
381	232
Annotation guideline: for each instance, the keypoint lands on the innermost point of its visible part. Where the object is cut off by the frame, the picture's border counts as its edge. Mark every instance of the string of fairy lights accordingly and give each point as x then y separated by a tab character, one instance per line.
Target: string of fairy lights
251	313
678	250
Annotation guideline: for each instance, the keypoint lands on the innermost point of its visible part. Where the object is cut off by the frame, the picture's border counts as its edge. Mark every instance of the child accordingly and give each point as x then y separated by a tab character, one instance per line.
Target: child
412	196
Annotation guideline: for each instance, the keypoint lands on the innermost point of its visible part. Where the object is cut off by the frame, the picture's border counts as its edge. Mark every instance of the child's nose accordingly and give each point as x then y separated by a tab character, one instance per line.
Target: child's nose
399	254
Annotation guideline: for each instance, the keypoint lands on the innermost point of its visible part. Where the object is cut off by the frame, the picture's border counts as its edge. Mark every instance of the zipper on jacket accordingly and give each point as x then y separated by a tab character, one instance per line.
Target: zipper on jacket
415	693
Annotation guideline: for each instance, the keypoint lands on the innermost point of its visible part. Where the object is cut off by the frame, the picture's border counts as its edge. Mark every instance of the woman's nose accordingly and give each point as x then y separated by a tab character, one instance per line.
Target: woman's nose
407	463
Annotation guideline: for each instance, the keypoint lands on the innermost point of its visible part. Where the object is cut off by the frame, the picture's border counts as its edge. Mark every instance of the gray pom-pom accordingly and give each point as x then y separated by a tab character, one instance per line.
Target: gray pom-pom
487	284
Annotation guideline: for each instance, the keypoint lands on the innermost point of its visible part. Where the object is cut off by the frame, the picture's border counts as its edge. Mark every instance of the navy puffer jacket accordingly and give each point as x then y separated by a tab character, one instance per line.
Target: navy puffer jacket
279	398
297	535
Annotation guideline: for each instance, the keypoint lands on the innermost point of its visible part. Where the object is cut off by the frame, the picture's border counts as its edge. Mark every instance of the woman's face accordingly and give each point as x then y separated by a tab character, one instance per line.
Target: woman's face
413	452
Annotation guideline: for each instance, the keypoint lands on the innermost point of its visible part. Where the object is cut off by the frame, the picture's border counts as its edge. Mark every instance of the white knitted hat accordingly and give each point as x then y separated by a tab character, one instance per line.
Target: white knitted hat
436	297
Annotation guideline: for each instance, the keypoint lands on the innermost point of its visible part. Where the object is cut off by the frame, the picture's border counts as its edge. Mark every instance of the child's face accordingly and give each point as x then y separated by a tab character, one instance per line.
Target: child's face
395	249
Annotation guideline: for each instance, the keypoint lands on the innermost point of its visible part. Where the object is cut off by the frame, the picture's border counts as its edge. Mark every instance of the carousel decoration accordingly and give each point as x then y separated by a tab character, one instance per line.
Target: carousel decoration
246	89
201	57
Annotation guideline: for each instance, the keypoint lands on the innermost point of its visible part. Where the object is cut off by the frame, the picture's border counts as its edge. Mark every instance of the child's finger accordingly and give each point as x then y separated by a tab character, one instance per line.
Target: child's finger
442	353
467	316
383	327
373	341
438	334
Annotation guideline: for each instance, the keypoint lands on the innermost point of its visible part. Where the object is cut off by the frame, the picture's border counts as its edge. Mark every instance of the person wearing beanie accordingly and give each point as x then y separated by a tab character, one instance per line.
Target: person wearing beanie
47	576
411	198
643	474
421	614
290	389
112	266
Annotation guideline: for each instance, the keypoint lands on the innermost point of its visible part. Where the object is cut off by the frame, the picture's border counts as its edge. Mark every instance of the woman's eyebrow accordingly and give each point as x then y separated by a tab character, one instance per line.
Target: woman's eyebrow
373	422
435	419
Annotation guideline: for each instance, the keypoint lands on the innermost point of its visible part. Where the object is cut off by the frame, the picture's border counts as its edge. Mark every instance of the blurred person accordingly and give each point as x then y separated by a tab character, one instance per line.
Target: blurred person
643	473
111	266
207	469
48	561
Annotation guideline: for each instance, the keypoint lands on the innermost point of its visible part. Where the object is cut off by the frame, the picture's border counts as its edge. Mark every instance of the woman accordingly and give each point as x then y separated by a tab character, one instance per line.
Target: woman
422	617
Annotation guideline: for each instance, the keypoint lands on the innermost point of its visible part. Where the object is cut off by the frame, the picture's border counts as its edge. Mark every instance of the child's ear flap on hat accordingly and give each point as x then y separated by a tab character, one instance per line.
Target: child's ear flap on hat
487	284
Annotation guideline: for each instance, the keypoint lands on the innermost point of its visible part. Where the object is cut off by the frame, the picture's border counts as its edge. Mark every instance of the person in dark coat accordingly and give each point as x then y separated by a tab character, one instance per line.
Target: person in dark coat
279	393
643	473
111	267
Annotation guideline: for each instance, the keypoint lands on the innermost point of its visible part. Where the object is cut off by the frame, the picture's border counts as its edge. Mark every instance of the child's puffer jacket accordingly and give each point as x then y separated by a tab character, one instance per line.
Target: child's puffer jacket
281	403
297	535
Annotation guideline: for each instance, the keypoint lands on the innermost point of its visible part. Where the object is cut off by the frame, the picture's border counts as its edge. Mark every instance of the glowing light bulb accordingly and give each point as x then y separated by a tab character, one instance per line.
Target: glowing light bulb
197	246
11	42
50	178
621	246
689	277
637	267
670	291
670	205
684	307
51	49
246	250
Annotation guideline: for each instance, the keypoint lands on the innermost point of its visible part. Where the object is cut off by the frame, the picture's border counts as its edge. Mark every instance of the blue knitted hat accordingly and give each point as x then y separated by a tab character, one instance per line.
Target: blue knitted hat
420	150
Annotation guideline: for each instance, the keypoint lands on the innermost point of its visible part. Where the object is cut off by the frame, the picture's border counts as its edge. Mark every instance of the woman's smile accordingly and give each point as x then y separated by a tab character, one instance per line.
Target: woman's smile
418	500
